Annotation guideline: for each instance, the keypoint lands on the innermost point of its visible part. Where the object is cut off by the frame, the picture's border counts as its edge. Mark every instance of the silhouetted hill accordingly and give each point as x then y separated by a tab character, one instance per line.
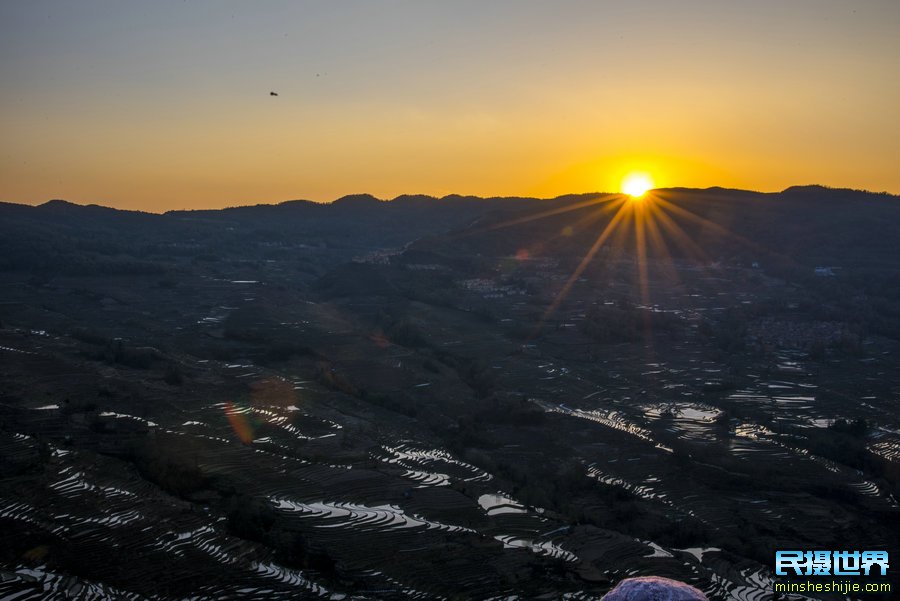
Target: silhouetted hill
357	201
824	192
58	204
801	227
411	199
797	229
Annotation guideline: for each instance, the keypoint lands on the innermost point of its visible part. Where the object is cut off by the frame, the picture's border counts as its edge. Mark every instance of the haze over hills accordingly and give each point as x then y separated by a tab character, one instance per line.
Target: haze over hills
449	397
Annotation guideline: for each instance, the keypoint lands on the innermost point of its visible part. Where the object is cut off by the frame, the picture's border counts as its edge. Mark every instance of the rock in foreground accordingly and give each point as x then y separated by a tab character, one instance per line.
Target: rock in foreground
653	588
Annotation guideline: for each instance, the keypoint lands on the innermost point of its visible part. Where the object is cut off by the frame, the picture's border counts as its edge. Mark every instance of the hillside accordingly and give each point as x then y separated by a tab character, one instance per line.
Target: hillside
437	398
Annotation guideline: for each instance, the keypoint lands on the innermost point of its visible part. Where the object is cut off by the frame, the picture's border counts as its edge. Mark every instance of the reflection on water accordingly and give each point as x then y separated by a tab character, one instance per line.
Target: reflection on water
495	504
354	515
541	548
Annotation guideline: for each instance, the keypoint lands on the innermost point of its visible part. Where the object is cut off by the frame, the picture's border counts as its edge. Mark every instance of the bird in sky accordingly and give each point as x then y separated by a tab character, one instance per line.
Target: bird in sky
273	93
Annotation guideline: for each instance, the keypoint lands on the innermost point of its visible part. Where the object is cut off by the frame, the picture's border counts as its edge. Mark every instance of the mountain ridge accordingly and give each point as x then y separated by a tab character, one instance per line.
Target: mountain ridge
370	200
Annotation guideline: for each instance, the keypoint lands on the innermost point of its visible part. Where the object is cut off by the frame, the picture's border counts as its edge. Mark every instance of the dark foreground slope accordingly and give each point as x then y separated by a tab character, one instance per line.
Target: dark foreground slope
394	400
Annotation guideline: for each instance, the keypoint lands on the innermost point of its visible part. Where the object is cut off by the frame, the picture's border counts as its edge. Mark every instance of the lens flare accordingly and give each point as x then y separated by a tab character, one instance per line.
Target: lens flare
241	420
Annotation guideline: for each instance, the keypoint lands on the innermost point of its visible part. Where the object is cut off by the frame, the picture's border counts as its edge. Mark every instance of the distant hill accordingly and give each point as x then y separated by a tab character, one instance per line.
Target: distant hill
800	226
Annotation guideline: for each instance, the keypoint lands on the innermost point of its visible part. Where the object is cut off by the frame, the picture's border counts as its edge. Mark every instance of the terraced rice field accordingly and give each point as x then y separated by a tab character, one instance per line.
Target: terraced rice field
365	469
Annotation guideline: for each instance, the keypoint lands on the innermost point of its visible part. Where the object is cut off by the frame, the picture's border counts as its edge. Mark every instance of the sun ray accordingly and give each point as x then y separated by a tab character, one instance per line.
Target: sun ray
640	241
642	215
549	213
584	221
691	216
564	291
651	220
681	238
658	241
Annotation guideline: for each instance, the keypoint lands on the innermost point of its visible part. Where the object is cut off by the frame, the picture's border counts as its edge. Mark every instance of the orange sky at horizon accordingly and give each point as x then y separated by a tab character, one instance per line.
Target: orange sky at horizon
166	105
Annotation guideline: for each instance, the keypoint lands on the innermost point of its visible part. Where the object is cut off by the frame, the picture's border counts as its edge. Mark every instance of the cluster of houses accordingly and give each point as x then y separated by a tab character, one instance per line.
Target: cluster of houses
377	257
490	288
773	334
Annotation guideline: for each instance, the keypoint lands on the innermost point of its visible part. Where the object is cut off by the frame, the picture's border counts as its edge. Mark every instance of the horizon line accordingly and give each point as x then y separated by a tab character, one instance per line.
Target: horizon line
367	195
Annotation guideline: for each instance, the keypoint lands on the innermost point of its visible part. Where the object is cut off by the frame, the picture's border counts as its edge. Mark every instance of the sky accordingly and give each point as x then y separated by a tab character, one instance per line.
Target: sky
164	105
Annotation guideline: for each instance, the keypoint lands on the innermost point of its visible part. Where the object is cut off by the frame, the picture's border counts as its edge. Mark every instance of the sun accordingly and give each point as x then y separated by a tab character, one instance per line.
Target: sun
636	184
